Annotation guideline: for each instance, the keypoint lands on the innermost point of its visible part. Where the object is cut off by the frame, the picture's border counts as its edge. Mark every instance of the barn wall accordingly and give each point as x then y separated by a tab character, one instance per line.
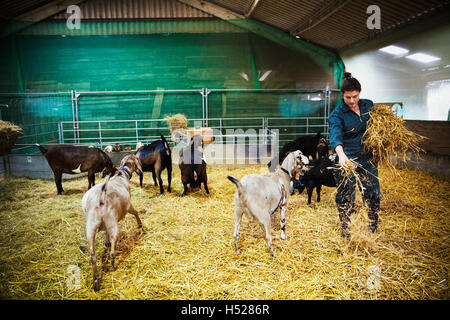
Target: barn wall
423	88
155	55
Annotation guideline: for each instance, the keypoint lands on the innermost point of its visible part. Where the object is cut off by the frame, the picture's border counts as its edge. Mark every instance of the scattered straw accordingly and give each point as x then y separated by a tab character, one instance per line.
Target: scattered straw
187	249
387	137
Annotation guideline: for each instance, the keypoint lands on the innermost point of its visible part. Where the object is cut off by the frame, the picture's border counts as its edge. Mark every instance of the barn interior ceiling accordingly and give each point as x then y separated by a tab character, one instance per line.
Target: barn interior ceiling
332	24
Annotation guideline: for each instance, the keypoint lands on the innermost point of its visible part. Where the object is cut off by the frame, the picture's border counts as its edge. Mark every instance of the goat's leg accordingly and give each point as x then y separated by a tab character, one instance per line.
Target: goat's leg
205	184
158	176
91	179
318	188
91	229
134	212
283	222
169	177
267	227
310	191
107	241
154	178
237	225
113	231
58	179
141	179
185	189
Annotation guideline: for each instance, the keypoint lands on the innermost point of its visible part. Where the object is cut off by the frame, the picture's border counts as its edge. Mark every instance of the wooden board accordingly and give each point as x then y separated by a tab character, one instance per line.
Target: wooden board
437	132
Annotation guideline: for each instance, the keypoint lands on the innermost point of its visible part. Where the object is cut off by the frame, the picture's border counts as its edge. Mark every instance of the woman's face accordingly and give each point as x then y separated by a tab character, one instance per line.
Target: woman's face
351	98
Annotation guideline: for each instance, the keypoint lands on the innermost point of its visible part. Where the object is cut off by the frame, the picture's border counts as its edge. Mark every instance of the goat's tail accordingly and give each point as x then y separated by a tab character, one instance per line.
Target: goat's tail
103	192
166	145
239	187
43	150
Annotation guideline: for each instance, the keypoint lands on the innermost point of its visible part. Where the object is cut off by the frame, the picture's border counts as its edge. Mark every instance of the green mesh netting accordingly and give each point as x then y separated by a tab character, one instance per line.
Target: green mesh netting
166	55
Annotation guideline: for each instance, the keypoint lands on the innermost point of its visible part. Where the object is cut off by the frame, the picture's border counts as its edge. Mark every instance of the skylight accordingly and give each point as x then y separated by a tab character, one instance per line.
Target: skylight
394	50
422	57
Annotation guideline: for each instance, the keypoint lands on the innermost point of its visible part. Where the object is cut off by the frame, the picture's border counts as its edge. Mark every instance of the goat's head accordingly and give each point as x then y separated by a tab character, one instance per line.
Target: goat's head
109	170
322	147
132	163
296	162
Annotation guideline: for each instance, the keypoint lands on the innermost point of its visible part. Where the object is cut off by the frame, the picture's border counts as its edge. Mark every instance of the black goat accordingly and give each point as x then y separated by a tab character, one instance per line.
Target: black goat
73	159
155	157
320	173
308	145
193	166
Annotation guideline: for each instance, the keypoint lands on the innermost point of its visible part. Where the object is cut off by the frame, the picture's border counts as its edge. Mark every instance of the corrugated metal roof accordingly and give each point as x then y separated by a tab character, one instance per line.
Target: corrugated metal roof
334	24
348	25
136	9
342	27
132	28
238	6
12	8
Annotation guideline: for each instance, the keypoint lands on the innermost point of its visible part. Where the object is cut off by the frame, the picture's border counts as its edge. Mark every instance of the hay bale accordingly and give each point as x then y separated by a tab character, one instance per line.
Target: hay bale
388	138
9	133
178	121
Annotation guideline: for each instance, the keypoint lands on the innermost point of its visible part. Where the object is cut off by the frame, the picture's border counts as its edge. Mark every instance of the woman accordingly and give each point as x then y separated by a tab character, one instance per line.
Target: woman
348	122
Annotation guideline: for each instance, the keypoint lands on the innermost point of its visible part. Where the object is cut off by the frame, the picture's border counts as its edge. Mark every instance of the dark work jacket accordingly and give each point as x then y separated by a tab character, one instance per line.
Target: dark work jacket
347	128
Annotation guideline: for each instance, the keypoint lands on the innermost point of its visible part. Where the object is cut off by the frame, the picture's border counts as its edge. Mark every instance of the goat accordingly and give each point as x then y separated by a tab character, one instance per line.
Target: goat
139	145
127	147
320	173
260	196
105	205
193	166
308	145
108	149
117	147
156	157
74	159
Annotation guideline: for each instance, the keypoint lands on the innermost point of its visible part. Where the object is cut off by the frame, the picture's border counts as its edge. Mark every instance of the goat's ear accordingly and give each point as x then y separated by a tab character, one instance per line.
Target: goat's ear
138	166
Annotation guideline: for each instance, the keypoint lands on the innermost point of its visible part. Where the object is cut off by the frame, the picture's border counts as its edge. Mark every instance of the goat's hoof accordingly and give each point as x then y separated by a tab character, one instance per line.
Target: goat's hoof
111	269
237	252
96	284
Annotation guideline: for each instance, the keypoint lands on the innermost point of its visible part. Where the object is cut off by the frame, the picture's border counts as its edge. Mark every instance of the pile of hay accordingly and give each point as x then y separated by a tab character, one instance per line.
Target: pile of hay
178	125
387	137
187	250
9	133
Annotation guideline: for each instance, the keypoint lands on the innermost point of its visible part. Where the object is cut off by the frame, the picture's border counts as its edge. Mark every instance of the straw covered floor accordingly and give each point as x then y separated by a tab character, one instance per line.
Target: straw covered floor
187	249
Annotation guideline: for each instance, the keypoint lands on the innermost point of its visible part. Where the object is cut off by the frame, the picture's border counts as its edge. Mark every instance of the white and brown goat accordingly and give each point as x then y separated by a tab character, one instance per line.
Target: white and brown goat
105	205
260	196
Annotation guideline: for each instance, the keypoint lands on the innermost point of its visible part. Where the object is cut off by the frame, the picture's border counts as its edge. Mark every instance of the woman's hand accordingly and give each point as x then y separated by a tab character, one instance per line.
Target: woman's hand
342	157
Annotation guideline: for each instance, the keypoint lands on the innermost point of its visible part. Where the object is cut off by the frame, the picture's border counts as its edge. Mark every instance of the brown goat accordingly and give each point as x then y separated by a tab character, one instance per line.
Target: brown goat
73	159
156	157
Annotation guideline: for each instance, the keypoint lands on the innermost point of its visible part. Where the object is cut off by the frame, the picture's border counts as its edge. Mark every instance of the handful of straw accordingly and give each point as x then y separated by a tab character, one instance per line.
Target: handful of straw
9	133
347	173
387	137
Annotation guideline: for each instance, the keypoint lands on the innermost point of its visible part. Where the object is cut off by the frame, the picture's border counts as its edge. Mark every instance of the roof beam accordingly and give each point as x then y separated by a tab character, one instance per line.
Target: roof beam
213	9
252	8
327	8
47	10
320	55
36	15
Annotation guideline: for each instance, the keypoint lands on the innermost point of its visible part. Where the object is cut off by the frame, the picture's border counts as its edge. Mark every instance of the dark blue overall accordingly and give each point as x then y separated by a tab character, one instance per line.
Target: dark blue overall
347	129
